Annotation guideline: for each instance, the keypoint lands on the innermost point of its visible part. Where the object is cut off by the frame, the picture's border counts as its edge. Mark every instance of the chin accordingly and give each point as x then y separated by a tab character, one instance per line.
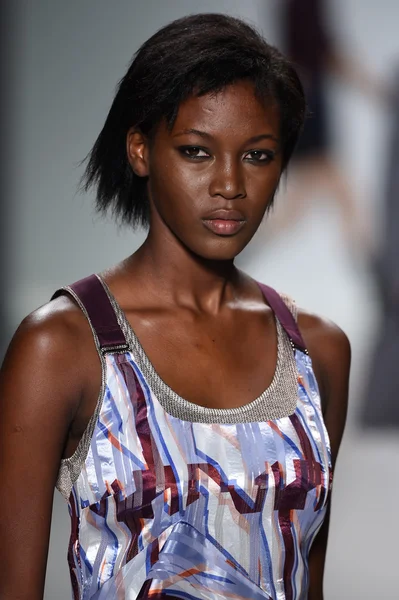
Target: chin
219	251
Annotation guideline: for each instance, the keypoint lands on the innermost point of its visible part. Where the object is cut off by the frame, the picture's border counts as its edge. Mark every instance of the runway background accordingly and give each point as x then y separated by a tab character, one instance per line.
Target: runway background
62	62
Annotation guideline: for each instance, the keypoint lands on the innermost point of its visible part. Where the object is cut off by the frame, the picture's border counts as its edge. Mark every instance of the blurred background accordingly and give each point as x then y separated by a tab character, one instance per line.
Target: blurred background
332	242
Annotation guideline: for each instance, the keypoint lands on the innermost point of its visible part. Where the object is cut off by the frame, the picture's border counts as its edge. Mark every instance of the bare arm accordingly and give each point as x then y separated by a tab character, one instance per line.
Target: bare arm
330	352
354	73
40	390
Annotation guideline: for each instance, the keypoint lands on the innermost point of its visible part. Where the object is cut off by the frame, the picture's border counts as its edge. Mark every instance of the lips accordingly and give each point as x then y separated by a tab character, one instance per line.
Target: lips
225	215
224	222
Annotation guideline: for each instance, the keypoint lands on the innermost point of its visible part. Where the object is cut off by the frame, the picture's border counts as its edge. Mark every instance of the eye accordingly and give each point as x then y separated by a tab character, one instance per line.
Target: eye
259	156
193	152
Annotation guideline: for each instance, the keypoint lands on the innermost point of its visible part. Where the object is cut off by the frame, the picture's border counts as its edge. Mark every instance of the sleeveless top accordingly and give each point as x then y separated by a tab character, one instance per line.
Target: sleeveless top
171	499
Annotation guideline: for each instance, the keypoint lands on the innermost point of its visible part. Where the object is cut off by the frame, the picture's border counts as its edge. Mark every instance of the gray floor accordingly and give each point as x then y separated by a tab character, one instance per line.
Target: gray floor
363	550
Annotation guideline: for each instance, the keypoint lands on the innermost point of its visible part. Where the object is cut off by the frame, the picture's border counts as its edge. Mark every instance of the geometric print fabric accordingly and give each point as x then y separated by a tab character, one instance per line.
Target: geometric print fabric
169	508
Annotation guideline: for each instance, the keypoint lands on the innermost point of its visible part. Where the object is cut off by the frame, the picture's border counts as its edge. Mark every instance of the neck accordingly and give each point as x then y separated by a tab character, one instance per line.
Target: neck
181	277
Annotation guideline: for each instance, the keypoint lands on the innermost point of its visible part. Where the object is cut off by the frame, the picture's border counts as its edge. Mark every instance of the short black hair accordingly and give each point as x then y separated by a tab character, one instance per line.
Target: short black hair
197	54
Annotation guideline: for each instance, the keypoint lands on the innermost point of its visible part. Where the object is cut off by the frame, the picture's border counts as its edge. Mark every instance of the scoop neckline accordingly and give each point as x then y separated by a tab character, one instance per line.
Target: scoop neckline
277	401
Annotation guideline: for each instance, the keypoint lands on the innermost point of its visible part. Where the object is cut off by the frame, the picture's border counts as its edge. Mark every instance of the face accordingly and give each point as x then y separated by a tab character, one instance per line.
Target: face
212	177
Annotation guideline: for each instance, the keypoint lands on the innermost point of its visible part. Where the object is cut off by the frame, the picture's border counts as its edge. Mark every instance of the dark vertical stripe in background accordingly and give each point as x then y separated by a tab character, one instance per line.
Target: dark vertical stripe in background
9	170
4	179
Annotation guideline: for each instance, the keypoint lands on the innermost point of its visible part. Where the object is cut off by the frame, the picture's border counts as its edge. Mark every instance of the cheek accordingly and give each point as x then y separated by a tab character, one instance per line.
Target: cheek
190	177
178	189
261	186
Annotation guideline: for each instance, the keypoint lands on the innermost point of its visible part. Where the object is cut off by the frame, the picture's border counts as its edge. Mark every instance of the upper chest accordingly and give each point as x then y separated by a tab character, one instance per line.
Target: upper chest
170	451
220	361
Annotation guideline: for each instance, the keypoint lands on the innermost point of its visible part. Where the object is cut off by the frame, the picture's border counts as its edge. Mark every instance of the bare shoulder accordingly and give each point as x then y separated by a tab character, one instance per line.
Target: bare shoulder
47	346
59	317
324	338
330	351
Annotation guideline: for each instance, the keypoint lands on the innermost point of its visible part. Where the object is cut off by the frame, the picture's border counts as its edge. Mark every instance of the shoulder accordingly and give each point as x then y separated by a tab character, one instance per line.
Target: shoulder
57	326
49	348
323	338
330	352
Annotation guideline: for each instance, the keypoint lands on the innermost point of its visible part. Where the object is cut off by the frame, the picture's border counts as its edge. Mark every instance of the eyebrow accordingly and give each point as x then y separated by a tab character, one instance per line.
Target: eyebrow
208	136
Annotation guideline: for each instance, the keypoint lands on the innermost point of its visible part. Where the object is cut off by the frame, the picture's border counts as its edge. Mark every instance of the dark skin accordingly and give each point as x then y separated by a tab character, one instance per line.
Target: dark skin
187	303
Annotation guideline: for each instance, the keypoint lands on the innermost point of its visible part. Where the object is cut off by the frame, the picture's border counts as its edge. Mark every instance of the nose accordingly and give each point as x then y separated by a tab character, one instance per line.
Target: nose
227	181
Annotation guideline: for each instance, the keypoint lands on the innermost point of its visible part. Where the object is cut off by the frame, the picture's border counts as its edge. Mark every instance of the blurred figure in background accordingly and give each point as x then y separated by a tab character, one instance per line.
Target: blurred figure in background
308	41
381	407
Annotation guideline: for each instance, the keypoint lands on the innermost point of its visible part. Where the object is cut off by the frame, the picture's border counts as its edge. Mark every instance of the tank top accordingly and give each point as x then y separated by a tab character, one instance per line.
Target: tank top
169	499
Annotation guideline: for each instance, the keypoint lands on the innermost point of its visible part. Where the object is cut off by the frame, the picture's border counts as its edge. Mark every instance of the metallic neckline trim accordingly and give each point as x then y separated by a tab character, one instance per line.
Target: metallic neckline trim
71	467
279	400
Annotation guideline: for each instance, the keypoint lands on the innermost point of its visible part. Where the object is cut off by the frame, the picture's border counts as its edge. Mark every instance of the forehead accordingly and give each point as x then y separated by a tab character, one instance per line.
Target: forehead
235	109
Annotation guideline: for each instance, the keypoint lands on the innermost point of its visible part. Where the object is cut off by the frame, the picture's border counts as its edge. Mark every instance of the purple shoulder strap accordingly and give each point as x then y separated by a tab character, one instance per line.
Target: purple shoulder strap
94	299
284	315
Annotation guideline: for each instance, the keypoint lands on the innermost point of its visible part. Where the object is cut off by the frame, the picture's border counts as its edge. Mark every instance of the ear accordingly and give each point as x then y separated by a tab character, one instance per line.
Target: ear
137	152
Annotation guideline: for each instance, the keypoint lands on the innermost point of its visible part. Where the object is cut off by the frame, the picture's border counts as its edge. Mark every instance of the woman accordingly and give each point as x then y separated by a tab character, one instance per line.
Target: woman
310	46
173	399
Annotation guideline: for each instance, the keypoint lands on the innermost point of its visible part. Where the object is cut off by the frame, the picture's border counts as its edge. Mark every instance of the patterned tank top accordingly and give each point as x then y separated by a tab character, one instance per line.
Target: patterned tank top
171	499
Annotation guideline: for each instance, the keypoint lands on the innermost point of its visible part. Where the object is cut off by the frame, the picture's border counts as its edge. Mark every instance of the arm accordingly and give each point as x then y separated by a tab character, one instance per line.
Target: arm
40	390
352	72
329	349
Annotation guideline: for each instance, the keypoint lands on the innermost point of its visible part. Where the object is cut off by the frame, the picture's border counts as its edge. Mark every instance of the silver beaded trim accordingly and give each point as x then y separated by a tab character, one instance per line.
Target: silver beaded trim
70	468
277	401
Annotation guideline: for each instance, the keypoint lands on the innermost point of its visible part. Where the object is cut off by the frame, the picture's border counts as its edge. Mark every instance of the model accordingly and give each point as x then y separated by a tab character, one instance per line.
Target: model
190	416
